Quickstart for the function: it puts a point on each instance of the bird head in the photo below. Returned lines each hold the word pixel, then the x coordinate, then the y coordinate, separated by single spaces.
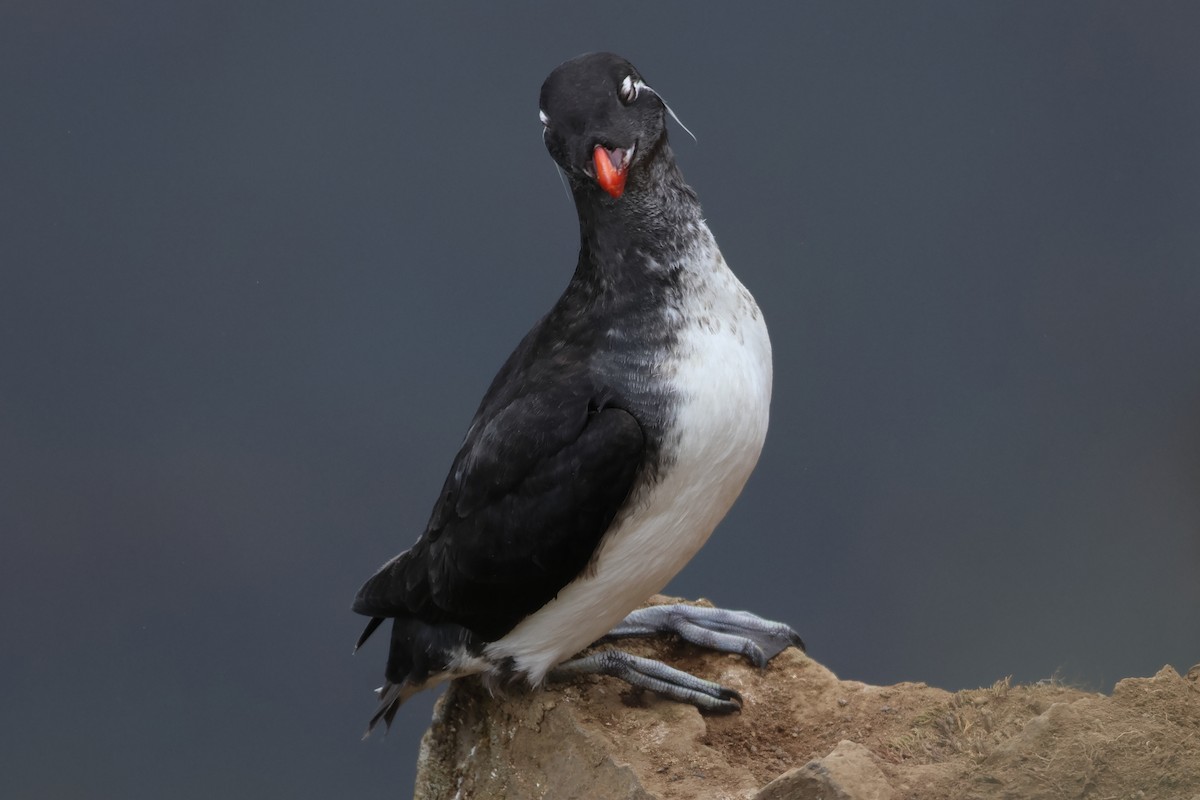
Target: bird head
pixel 600 120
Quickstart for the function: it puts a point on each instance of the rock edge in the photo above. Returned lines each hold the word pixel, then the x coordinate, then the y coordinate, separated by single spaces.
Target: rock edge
pixel 804 734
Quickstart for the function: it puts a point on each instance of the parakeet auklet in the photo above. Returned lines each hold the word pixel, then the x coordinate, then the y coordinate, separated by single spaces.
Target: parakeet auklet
pixel 611 443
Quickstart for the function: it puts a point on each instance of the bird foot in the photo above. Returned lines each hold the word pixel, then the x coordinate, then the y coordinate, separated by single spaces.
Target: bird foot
pixel 646 673
pixel 741 632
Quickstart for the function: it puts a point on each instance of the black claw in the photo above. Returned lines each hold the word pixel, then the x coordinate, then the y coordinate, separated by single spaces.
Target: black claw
pixel 756 656
pixel 730 701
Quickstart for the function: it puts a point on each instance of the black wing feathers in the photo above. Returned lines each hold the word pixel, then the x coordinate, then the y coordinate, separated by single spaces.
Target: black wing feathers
pixel 529 497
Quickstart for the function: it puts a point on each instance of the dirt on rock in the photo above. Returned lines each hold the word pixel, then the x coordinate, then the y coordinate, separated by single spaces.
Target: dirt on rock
pixel 804 733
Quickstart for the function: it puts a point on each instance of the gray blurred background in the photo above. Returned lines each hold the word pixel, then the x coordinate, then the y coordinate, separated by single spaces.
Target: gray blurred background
pixel 260 261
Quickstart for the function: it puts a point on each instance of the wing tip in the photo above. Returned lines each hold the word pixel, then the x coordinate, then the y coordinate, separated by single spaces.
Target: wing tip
pixel 372 626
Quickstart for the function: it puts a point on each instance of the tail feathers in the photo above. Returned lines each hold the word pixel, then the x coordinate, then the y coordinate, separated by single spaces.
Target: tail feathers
pixel 391 697
pixel 421 655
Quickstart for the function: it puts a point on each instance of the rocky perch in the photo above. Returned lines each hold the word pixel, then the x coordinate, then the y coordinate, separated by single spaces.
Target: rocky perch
pixel 803 734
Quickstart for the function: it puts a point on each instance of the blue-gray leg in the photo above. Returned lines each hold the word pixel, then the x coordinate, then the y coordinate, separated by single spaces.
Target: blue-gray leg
pixel 758 639
pixel 656 676
pixel 740 632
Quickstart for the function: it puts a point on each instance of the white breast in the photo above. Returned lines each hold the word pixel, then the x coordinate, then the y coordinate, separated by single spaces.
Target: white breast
pixel 722 368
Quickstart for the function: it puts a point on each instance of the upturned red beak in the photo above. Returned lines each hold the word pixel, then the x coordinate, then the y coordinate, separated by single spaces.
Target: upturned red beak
pixel 611 168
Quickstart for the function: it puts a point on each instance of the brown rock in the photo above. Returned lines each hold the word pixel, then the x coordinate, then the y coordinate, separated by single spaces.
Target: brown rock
pixel 848 773
pixel 802 733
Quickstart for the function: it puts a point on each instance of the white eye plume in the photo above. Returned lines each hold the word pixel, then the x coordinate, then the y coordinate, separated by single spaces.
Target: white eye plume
pixel 630 89
pixel 544 119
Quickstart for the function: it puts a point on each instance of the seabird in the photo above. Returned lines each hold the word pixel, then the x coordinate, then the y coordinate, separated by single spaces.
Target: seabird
pixel 610 444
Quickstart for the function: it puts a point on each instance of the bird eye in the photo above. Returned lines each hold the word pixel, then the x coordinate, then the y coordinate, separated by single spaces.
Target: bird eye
pixel 629 90
pixel 545 120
